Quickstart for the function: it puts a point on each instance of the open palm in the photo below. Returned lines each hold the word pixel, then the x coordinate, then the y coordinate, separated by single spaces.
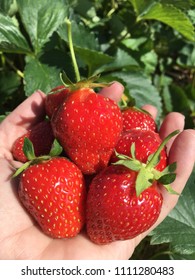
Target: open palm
pixel 21 238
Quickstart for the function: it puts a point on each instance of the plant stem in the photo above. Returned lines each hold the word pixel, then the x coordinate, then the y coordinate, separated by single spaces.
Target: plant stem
pixel 74 62
pixel 10 63
pixel 157 153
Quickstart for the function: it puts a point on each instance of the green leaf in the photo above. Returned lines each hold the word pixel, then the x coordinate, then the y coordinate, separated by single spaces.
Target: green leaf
pixel 56 149
pixel 133 151
pixel 156 159
pixel 178 228
pixel 141 6
pixel 174 256
pixel 6 5
pixel 170 168
pixel 187 56
pixel 65 79
pixel 139 86
pixel 40 76
pixel 167 178
pixel 93 59
pixel 150 60
pixel 28 149
pixel 179 97
pixel 131 164
pixel 41 19
pixel 82 36
pixel 134 43
pixel 122 60
pixel 86 47
pixel 9 82
pixel 11 39
pixel 21 169
pixel 181 4
pixel 171 16
pixel 170 189
pixel 143 181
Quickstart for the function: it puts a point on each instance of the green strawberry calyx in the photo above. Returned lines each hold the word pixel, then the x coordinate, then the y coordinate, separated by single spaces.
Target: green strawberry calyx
pixel 28 150
pixel 90 82
pixel 147 173
pixel 131 103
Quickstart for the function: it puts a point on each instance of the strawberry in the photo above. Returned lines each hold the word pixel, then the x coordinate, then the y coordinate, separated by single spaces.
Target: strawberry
pixel 125 199
pixel 146 143
pixel 41 135
pixel 134 118
pixel 88 126
pixel 114 211
pixel 52 189
pixel 54 99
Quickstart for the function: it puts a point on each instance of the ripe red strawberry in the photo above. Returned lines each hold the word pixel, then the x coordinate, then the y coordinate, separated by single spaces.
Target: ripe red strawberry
pixel 41 135
pixel 52 189
pixel 134 118
pixel 54 99
pixel 54 194
pixel 88 126
pixel 146 143
pixel 114 211
pixel 124 199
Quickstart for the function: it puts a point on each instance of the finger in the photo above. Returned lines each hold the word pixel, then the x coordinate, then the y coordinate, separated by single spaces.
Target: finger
pixel 183 153
pixel 151 110
pixel 114 91
pixel 173 121
pixel 28 113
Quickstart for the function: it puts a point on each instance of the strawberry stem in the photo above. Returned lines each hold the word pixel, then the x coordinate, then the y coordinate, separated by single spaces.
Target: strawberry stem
pixel 156 155
pixel 74 62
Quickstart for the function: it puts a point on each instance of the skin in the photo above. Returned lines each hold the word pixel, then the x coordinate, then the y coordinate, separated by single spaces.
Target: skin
pixel 21 238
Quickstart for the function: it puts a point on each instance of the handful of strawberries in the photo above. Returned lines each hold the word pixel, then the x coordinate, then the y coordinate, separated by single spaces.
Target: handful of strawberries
pixel 106 174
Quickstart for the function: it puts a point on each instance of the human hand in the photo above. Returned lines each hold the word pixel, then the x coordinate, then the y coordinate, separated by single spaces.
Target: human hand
pixel 21 238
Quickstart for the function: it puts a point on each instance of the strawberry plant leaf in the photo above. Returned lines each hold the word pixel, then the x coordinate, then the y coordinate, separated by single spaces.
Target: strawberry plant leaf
pixel 171 16
pixel 181 235
pixel 45 17
pixel 183 5
pixel 11 39
pixel 6 6
pixel 139 86
pixel 93 59
pixel 87 50
pixel 121 60
pixel 40 76
pixel 141 6
pixel 82 36
pixel 56 149
pixel 187 55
